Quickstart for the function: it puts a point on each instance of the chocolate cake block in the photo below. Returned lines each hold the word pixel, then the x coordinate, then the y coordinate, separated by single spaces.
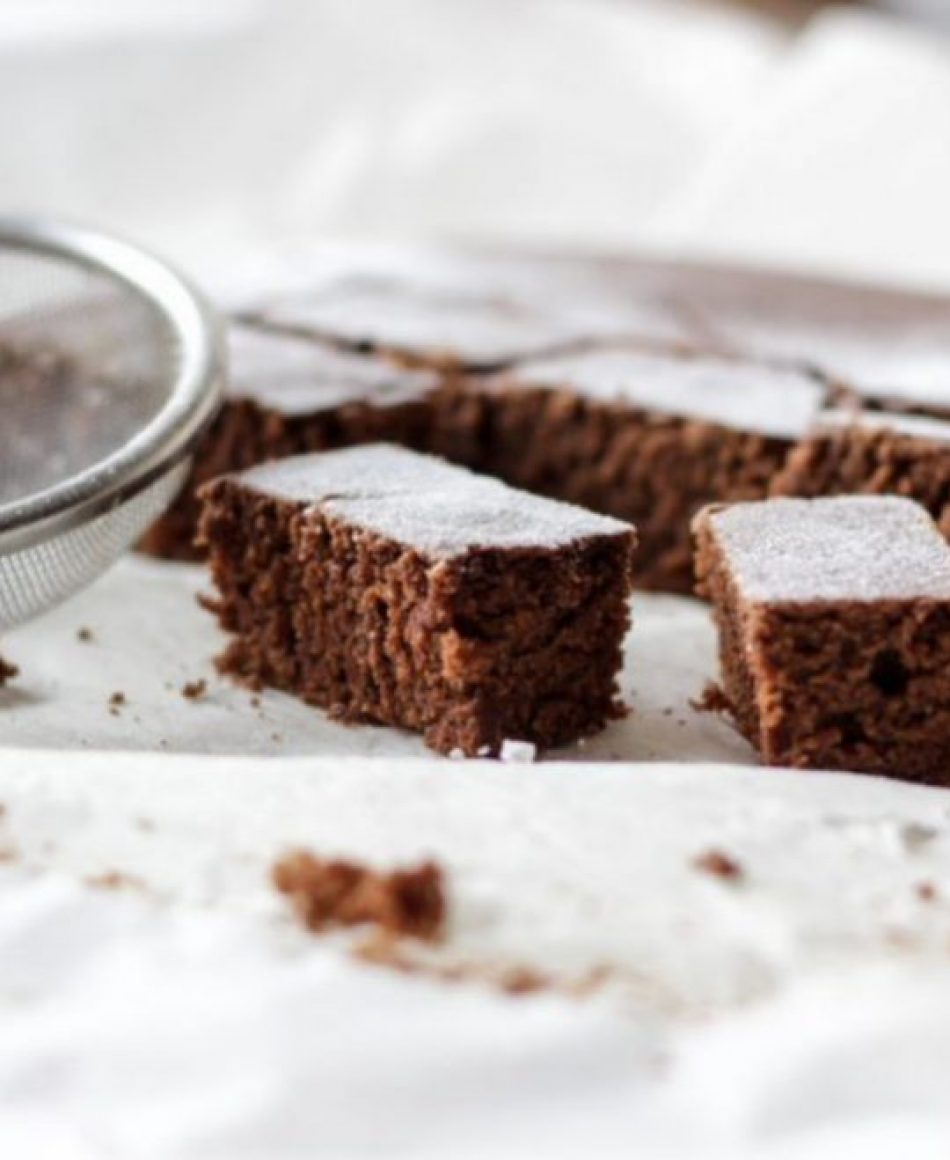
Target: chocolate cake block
pixel 873 453
pixel 390 587
pixel 451 329
pixel 646 437
pixel 834 631
pixel 286 396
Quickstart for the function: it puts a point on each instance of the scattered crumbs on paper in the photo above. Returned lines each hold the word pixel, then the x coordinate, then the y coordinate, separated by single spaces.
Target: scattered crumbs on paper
pixel 327 893
pixel 114 880
pixel 719 864
pixel 711 700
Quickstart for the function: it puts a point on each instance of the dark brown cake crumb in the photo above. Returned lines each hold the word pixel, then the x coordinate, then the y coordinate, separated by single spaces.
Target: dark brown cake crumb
pixel 926 892
pixel 194 690
pixel 7 672
pixel 116 701
pixel 84 635
pixel 719 864
pixel 711 700
pixel 334 893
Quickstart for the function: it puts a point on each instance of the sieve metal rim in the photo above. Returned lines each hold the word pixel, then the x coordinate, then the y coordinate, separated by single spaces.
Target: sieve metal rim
pixel 171 434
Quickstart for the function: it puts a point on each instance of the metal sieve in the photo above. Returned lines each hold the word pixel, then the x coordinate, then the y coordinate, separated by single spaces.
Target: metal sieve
pixel 110 369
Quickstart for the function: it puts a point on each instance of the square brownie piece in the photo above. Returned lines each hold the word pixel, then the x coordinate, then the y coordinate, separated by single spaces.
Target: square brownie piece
pixel 391 587
pixel 288 395
pixel 834 631
pixel 873 453
pixel 648 437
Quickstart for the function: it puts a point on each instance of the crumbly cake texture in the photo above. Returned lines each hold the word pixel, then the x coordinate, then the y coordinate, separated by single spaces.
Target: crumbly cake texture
pixel 326 893
pixel 287 396
pixel 391 587
pixel 834 631
pixel 873 453
pixel 646 437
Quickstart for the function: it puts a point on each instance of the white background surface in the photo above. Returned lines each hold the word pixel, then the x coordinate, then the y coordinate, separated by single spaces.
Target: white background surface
pixel 801 1013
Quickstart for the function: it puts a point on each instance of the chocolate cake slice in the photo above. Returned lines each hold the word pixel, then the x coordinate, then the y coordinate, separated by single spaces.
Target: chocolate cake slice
pixel 646 437
pixel 289 395
pixel 874 453
pixel 391 587
pixel 834 631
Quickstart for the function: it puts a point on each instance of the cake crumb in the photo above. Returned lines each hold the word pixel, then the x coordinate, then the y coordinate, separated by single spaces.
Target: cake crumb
pixel 114 880
pixel 84 635
pixel 382 949
pixel 337 893
pixel 194 690
pixel 926 892
pixel 7 672
pixel 116 701
pixel 523 981
pixel 711 700
pixel 719 864
pixel 522 751
pixel 9 854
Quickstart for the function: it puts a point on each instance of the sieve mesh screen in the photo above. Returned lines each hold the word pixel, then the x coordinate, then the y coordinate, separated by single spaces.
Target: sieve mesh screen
pixel 97 357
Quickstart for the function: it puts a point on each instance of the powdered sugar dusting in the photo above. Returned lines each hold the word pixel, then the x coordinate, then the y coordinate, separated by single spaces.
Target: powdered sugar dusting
pixel 298 376
pixel 474 330
pixel 915 426
pixel 863 548
pixel 426 503
pixel 875 356
pixel 744 396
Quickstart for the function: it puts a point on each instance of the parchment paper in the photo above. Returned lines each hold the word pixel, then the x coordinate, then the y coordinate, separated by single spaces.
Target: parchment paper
pixel 149 638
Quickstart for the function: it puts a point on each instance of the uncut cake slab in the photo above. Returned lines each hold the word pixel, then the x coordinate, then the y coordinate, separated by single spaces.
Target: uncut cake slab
pixel 645 879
